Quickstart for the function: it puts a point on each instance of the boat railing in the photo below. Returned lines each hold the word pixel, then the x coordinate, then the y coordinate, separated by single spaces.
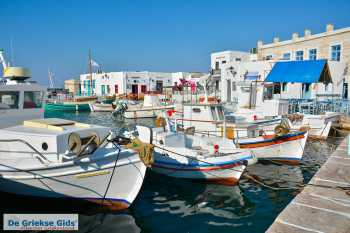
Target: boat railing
pixel 42 158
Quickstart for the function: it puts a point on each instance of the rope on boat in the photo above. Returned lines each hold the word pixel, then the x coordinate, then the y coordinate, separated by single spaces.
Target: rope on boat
pixel 145 150
pixel 111 177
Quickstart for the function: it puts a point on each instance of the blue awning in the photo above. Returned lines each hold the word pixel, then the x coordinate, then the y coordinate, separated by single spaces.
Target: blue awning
pixel 309 71
pixel 254 75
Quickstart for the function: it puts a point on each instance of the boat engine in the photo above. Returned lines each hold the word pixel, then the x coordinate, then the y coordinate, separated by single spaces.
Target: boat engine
pixel 120 109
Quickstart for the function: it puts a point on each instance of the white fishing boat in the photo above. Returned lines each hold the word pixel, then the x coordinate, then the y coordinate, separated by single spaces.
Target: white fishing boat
pixel 181 155
pixel 208 119
pixel 60 158
pixel 318 126
pixel 287 148
pixel 65 159
pixel 149 108
pixel 101 107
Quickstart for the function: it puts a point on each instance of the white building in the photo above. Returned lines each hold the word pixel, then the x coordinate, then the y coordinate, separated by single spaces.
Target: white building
pixel 131 82
pixel 236 77
pixel 220 59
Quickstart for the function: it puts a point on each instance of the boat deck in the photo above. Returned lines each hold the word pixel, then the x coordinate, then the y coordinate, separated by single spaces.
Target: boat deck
pixel 317 208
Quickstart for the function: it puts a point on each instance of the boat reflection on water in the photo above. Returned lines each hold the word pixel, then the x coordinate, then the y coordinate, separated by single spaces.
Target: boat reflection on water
pixel 279 176
pixel 92 217
pixel 107 223
pixel 189 203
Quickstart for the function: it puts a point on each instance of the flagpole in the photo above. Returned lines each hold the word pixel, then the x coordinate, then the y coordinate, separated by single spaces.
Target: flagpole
pixel 90 70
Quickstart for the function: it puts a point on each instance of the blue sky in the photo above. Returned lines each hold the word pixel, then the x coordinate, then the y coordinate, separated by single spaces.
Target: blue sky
pixel 163 35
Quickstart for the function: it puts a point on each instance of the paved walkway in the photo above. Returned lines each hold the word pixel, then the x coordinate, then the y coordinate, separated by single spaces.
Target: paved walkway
pixel 319 209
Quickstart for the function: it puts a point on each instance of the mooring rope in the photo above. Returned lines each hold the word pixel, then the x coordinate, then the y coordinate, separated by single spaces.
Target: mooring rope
pixel 111 177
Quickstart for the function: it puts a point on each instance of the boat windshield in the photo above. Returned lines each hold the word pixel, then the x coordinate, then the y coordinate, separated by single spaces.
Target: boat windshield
pixel 9 99
pixel 33 99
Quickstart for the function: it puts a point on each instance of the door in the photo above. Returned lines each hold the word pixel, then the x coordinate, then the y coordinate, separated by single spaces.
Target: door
pixel 116 89
pixel 159 86
pixel 135 89
pixel 345 91
pixel 306 91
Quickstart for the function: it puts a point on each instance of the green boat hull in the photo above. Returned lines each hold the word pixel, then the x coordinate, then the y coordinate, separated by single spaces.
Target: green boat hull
pixel 67 107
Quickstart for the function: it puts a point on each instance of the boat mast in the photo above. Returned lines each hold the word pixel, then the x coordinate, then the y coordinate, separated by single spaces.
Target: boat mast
pixel 2 59
pixel 90 71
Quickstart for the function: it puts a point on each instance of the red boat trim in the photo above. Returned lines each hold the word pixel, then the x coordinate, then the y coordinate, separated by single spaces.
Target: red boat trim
pixel 269 143
pixel 184 168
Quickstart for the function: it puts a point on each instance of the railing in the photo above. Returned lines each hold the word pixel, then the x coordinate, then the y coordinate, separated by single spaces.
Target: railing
pixel 308 106
pixel 43 157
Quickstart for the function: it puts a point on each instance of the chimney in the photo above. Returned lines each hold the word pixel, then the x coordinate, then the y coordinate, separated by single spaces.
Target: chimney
pixel 329 27
pixel 307 33
pixel 260 44
pixel 276 39
pixel 295 36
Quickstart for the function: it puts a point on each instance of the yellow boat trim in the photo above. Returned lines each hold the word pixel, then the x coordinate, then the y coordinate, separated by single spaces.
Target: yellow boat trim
pixel 96 173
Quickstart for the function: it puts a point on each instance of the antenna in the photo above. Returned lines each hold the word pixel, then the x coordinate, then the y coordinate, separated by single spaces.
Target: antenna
pixel 50 78
pixel 11 52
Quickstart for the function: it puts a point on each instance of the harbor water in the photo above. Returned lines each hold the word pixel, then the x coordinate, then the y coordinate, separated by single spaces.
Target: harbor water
pixel 166 204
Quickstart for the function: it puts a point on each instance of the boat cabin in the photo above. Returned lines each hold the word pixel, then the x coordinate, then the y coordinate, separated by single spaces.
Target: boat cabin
pixel 209 118
pixel 20 100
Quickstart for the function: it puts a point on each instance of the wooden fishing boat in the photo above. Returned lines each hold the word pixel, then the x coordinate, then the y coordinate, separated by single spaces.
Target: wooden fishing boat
pixel 209 159
pixel 67 107
pixel 288 148
pixel 101 107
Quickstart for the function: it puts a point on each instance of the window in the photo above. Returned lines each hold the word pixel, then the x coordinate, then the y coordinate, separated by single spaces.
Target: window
pixel 116 89
pixel 143 88
pixel 94 83
pixel 223 62
pixel 268 57
pixel 306 87
pixel 238 59
pixel 299 55
pixel 217 65
pixel 108 89
pixel 326 87
pixel 312 54
pixel 286 56
pixel 32 99
pixel 9 99
pixel 335 52
pixel 277 88
pixel 196 110
pixel 103 90
pixel 284 86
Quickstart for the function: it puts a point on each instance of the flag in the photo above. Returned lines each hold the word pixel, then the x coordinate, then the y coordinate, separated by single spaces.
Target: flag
pixel 94 63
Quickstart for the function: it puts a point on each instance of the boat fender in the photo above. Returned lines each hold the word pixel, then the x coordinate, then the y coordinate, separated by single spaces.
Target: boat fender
pixel 216 148
pixel 245 162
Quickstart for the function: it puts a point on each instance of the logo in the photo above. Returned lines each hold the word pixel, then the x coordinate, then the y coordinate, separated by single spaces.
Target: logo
pixel 38 222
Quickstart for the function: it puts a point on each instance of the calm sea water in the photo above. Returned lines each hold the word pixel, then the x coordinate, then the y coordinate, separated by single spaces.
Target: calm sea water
pixel 167 204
